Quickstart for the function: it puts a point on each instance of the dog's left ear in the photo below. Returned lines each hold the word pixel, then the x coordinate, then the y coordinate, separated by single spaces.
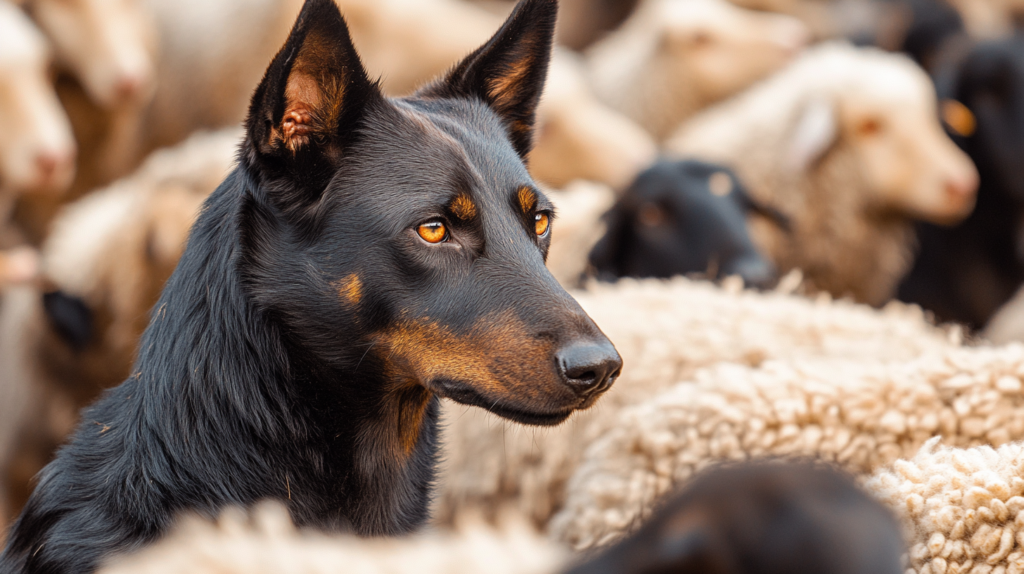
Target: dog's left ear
pixel 311 101
pixel 508 72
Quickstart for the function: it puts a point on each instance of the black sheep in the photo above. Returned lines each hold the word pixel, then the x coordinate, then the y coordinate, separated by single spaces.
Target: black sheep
pixel 682 217
pixel 965 273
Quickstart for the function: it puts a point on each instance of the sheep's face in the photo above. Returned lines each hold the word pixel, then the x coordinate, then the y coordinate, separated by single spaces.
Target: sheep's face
pixel 724 48
pixel 37 150
pixel 108 45
pixel 909 164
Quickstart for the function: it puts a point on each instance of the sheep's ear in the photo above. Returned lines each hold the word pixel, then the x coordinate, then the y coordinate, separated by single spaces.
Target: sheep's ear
pixel 508 72
pixel 815 131
pixel 311 100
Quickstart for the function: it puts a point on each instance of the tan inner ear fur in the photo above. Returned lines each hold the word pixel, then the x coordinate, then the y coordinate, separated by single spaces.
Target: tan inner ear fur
pixel 314 94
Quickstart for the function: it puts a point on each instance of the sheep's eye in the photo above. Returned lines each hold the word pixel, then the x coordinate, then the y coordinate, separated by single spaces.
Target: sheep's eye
pixel 541 224
pixel 959 118
pixel 433 232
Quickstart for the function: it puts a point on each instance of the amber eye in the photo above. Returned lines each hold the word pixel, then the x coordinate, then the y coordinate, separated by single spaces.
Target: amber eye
pixel 543 222
pixel 433 232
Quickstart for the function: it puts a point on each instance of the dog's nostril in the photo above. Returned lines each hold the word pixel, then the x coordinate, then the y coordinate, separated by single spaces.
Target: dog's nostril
pixel 589 367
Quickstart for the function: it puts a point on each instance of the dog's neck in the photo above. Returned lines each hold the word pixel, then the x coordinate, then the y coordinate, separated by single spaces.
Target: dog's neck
pixel 372 442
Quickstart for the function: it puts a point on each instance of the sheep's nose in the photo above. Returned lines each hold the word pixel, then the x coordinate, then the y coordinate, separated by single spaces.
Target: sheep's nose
pixel 962 187
pixel 49 162
pixel 589 367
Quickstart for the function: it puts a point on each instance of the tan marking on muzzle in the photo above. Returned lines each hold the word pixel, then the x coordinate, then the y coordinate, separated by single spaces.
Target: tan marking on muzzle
pixel 493 356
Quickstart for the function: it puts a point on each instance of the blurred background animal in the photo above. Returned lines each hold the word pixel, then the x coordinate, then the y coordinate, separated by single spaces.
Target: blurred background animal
pixel 681 218
pixel 965 273
pixel 847 144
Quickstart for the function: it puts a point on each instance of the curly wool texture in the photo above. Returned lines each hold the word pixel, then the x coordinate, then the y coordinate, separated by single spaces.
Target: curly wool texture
pixel 269 543
pixel 665 331
pixel 860 415
pixel 963 509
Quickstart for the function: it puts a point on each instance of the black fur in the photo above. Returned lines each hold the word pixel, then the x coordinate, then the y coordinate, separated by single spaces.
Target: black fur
pixel 299 350
pixel 965 273
pixel 762 518
pixel 70 317
pixel 669 222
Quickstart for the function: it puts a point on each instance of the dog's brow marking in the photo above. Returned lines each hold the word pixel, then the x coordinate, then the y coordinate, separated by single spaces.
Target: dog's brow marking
pixel 351 290
pixel 527 199
pixel 463 207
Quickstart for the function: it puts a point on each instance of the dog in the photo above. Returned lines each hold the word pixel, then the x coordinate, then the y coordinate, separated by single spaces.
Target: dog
pixel 367 257
pixel 765 517
pixel 683 217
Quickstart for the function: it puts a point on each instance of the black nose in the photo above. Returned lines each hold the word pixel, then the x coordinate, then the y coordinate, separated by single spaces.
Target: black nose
pixel 589 367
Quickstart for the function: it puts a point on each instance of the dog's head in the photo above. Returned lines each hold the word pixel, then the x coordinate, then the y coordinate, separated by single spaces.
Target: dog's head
pixel 403 240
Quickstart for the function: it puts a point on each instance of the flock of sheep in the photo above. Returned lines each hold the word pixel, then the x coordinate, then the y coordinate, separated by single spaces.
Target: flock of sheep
pixel 854 176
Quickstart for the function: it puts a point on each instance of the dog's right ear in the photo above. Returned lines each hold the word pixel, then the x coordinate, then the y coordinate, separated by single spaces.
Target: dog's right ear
pixel 311 101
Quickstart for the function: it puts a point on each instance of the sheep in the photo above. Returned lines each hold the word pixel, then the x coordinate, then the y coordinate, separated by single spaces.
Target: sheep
pixel 678 218
pixel 862 416
pixel 36 149
pixel 268 542
pixel 664 331
pixel 580 137
pixel 730 518
pixel 760 518
pixel 107 46
pixel 961 508
pixel 106 261
pixel 675 57
pixel 846 143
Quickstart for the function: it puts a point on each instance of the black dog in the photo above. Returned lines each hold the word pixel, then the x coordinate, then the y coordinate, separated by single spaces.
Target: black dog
pixel 682 217
pixel 967 272
pixel 762 518
pixel 366 257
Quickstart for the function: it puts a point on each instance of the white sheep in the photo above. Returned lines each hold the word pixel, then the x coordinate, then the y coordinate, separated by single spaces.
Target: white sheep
pixel 963 509
pixel 672 58
pixel 268 542
pixel 37 149
pixel 664 331
pixel 861 415
pixel 846 142
pixel 112 250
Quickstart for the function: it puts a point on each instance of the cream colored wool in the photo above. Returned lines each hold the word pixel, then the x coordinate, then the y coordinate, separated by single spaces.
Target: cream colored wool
pixel 270 544
pixel 963 509
pixel 847 144
pixel 665 331
pixel 861 415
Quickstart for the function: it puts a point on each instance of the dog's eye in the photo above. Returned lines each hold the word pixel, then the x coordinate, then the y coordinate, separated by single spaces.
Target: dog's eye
pixel 433 232
pixel 543 223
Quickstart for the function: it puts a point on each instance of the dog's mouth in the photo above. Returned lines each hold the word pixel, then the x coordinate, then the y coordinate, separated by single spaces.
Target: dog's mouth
pixel 465 394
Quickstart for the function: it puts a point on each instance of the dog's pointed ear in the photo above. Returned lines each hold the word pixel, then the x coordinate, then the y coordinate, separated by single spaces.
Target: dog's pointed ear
pixel 312 97
pixel 508 72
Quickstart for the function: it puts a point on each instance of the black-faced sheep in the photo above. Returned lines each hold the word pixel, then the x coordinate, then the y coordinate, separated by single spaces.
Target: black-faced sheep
pixel 761 518
pixel 846 143
pixel 665 332
pixel 682 218
pixel 672 58
pixel 967 272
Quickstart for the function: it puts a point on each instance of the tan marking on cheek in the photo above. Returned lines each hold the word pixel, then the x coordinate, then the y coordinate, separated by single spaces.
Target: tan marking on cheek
pixel 463 207
pixel 351 290
pixel 527 199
